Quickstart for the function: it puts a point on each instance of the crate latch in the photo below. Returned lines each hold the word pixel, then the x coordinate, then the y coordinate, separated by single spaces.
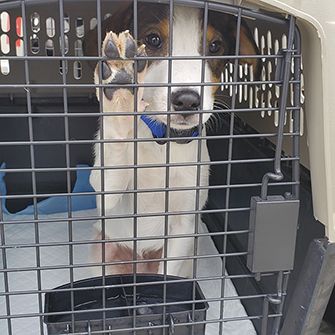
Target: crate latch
pixel 273 228
pixel 273 219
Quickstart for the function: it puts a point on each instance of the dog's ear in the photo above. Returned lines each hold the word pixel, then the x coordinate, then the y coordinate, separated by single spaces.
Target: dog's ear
pixel 248 47
pixel 227 25
pixel 120 20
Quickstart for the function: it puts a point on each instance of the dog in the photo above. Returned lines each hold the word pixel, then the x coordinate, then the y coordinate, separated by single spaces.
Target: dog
pixel 161 214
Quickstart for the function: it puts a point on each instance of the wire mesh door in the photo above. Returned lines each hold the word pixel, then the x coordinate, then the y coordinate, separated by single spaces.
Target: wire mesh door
pixel 126 154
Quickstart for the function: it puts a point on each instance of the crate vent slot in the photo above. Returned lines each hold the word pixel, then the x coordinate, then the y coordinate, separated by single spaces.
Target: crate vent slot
pixel 19 27
pixel 93 23
pixel 256 36
pixel 77 70
pixel 5 22
pixel 4 67
pixel 50 27
pixel 5 44
pixel 269 37
pixel 61 67
pixel 19 47
pixel 302 95
pixel 251 97
pixel 66 23
pixel 35 22
pixel 78 48
pixel 80 27
pixel 262 46
pixel 284 41
pixel 49 48
pixel 34 44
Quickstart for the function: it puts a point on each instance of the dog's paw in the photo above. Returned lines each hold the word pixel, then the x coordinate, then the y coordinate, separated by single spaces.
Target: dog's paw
pixel 118 70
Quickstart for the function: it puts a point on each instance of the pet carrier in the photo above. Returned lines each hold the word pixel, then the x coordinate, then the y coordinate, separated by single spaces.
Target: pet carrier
pixel 260 262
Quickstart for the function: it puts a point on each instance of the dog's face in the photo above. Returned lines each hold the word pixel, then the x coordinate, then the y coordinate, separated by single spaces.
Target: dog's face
pixel 186 40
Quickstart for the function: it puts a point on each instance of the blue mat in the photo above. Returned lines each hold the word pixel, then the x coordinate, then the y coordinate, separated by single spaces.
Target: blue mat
pixel 58 204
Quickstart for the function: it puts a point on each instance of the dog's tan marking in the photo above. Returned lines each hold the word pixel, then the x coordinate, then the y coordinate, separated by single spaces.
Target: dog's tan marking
pixel 215 64
pixel 162 29
pixel 116 252
pixel 247 47
pixel 212 34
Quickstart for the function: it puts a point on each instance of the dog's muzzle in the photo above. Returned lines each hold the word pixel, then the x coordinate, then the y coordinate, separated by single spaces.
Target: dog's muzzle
pixel 185 100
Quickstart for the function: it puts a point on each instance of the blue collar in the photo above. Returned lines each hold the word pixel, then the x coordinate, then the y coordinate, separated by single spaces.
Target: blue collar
pixel 158 130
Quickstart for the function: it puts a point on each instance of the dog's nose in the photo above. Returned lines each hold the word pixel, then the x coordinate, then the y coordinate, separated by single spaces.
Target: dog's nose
pixel 185 100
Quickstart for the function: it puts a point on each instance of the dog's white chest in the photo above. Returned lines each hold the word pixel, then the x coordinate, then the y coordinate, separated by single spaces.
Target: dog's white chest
pixel 158 177
pixel 178 178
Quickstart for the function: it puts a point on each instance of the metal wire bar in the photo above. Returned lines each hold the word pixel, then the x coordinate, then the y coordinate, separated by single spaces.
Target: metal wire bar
pixel 151 327
pixel 199 156
pixel 149 58
pixel 90 242
pixel 230 153
pixel 249 297
pixel 219 7
pixel 32 161
pixel 296 114
pixel 165 85
pixel 167 156
pixel 204 211
pixel 144 166
pixel 78 115
pixel 145 139
pixel 156 190
pixel 102 159
pixel 135 173
pixel 282 294
pixel 67 152
pixel 4 267
pixel 139 284
pixel 83 242
pixel 90 265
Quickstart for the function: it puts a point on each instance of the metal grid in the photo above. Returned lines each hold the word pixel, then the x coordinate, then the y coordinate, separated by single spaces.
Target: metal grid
pixel 41 41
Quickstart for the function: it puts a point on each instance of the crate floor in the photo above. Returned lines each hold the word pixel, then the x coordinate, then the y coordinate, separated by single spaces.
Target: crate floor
pixel 53 258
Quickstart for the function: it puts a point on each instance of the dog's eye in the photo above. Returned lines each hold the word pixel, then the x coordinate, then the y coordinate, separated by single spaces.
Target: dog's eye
pixel 154 41
pixel 215 47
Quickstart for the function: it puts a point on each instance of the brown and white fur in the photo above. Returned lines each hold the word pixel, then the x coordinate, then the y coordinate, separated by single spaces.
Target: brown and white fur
pixel 187 41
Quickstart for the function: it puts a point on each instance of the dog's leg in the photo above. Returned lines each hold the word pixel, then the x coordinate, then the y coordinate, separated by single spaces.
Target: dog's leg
pixel 179 247
pixel 117 70
pixel 117 123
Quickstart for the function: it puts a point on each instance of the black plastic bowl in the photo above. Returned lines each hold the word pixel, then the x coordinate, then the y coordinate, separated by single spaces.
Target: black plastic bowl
pixel 117 312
